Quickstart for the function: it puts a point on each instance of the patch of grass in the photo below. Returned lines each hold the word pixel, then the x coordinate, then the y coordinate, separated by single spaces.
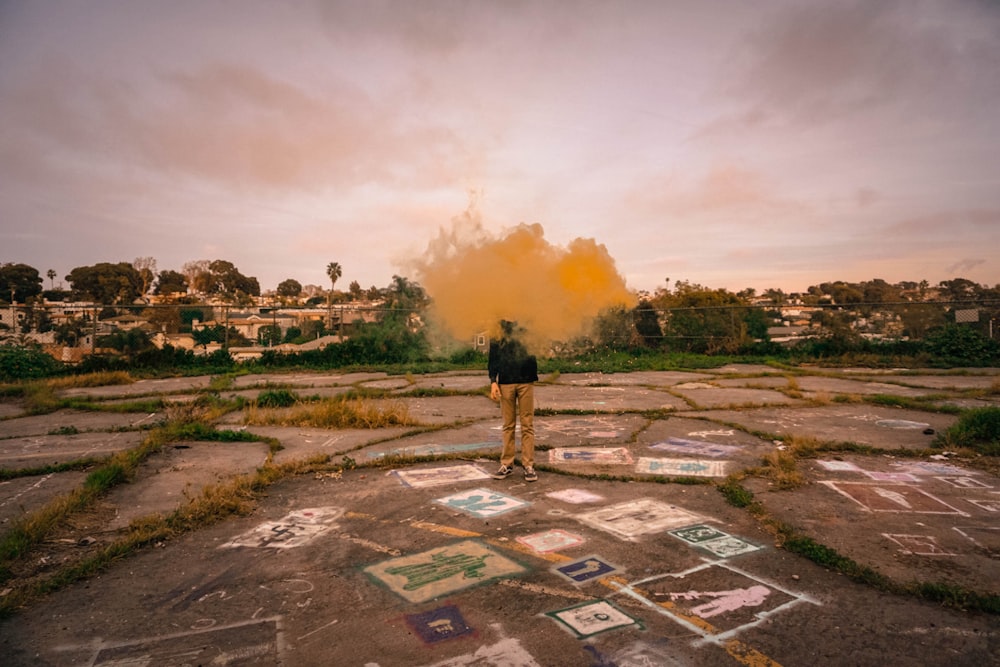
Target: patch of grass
pixel 781 467
pixel 277 398
pixel 977 429
pixel 922 403
pixel 736 494
pixel 956 596
pixel 826 557
pixel 80 464
pixel 64 430
pixel 337 412
pixel 221 383
pixel 99 379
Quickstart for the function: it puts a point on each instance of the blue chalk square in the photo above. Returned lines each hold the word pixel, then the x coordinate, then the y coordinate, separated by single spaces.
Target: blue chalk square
pixel 586 569
pixel 439 624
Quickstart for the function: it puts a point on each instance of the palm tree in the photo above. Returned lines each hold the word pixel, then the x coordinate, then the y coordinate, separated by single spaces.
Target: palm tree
pixel 334 271
pixel 52 276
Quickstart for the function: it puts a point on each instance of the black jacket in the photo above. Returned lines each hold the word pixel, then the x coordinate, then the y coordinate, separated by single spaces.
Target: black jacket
pixel 510 363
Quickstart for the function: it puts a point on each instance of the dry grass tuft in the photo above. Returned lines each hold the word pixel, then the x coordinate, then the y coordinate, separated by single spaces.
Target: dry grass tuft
pixel 101 379
pixel 336 412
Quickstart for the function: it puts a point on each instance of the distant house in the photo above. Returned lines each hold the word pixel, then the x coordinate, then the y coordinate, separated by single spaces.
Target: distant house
pixel 181 341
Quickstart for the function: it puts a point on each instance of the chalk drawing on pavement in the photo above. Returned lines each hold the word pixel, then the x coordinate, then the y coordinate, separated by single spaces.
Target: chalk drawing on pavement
pixel 732 598
pixel 422 477
pixel 431 449
pixel 987 504
pixel 710 434
pixel 247 642
pixel 482 503
pixel 293 530
pixel 634 518
pixel 713 540
pixel 695 447
pixel 681 467
pixel 901 424
pixel 585 569
pixel 575 496
pixel 930 468
pixel 964 482
pixel 920 545
pixel 504 653
pixel 843 466
pixel 986 538
pixel 602 455
pixel 891 476
pixel 892 498
pixel 591 618
pixel 438 624
pixel 430 574
pixel 551 540
pixel 578 427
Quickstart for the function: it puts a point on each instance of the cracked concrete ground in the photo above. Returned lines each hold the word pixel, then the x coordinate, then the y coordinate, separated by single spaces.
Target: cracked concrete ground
pixel 616 556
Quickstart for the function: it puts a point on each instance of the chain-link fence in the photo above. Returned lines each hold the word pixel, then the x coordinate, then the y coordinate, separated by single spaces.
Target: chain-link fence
pixel 81 328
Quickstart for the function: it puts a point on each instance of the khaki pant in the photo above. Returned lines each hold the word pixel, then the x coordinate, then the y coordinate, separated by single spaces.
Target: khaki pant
pixel 517 401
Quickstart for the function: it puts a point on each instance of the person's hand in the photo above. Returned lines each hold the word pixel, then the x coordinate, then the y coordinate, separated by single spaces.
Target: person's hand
pixel 495 391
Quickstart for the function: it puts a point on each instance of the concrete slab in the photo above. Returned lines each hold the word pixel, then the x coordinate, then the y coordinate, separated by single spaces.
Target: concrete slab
pixel 69 420
pixel 912 520
pixel 24 495
pixel 180 472
pixel 303 443
pixel 11 409
pixel 482 438
pixel 745 369
pixel 638 378
pixel 300 380
pixel 951 382
pixel 858 387
pixel 447 409
pixel 49 450
pixel 760 382
pixel 451 382
pixel 141 388
pixel 604 399
pixel 438 564
pixel 885 428
pixel 324 561
pixel 702 395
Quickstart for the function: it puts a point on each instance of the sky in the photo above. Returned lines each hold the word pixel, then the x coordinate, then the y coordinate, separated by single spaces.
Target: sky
pixel 733 144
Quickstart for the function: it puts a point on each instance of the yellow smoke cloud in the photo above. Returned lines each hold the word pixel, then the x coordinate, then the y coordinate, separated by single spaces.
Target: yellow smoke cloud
pixel 476 279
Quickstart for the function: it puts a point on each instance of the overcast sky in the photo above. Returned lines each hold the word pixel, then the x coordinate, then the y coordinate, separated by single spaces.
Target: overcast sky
pixel 730 143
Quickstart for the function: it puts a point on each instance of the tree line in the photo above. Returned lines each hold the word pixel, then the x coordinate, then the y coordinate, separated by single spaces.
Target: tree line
pixel 123 283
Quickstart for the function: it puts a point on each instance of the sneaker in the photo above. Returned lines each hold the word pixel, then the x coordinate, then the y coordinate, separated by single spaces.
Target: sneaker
pixel 503 473
pixel 530 475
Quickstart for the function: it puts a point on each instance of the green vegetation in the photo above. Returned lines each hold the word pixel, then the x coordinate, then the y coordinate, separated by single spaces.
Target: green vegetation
pixel 977 429
pixel 277 398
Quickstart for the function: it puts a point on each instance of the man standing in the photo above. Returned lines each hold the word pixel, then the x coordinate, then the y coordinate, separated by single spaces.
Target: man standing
pixel 513 373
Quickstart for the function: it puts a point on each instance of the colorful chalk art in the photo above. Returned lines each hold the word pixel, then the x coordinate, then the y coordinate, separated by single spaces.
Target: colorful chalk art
pixel 293 530
pixel 431 574
pixel 600 455
pixel 681 467
pixel 591 618
pixel 635 518
pixel 482 503
pixel 423 477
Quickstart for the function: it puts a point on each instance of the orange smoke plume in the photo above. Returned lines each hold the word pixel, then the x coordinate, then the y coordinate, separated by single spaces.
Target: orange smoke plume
pixel 553 293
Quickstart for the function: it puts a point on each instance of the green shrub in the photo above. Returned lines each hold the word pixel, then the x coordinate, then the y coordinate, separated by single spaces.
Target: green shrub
pixel 277 398
pixel 978 429
pixel 26 363
pixel 962 345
